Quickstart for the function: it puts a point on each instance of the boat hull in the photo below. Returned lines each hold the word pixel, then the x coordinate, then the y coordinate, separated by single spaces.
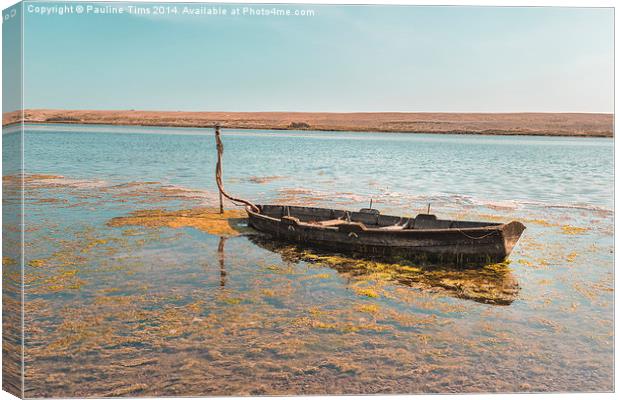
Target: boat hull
pixel 471 247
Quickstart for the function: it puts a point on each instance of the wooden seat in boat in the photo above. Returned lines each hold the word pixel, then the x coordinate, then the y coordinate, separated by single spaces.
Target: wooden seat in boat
pixel 331 222
pixel 395 227
pixel 400 225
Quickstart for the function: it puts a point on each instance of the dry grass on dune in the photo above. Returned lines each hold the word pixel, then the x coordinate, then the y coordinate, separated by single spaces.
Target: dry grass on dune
pixel 547 124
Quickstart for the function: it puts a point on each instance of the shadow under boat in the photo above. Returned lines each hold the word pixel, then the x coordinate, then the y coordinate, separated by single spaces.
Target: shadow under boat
pixel 491 284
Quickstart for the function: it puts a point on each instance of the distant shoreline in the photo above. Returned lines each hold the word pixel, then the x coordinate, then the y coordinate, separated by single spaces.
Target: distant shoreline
pixel 507 124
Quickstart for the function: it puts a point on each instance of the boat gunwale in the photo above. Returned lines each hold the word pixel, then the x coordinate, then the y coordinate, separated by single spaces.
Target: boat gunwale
pixel 496 227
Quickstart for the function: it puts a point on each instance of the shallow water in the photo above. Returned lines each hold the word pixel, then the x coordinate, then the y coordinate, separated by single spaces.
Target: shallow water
pixel 176 310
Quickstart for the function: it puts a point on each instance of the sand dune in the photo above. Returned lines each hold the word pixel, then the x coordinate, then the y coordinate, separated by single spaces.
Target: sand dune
pixel 547 124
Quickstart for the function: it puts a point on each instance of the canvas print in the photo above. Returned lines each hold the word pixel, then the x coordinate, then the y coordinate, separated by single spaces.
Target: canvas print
pixel 204 199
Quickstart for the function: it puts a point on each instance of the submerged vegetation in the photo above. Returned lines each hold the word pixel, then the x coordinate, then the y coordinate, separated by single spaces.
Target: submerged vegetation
pixel 492 284
pixel 209 220
pixel 150 287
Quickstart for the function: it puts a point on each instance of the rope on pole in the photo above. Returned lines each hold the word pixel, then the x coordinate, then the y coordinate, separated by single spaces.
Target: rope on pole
pixel 218 175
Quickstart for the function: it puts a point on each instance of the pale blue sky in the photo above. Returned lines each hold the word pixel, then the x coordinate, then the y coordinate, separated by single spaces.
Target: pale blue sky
pixel 346 58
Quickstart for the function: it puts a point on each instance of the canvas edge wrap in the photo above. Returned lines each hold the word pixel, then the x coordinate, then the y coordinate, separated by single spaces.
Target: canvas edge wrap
pixel 13 204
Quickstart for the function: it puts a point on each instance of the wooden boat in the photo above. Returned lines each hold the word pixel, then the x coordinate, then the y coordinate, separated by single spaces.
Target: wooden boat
pixel 423 239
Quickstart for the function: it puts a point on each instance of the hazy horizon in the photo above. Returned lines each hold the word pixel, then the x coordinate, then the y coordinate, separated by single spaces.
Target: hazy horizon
pixel 311 112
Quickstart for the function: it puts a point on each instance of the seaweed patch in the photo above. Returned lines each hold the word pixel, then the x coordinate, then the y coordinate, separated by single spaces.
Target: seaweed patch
pixel 493 284
pixel 230 223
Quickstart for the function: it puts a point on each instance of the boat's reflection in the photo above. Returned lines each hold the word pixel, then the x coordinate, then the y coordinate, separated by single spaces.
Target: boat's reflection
pixel 493 284
pixel 221 255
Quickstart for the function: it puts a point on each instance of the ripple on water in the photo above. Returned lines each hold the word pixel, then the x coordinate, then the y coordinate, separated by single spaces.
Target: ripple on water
pixel 143 282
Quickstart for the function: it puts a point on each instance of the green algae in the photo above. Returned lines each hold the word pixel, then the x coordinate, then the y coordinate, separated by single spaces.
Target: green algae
pixel 232 300
pixel 8 261
pixel 153 318
pixel 573 230
pixel 36 263
pixel 208 220
pixel 367 292
pixel 368 308
pixel 493 284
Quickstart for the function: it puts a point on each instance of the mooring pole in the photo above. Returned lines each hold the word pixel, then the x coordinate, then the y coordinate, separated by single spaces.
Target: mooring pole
pixel 218 176
pixel 218 166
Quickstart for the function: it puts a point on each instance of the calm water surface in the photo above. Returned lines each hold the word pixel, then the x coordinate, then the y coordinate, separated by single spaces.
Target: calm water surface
pixel 163 311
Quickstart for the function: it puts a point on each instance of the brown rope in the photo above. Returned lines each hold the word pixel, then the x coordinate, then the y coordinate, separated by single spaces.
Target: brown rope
pixel 218 172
